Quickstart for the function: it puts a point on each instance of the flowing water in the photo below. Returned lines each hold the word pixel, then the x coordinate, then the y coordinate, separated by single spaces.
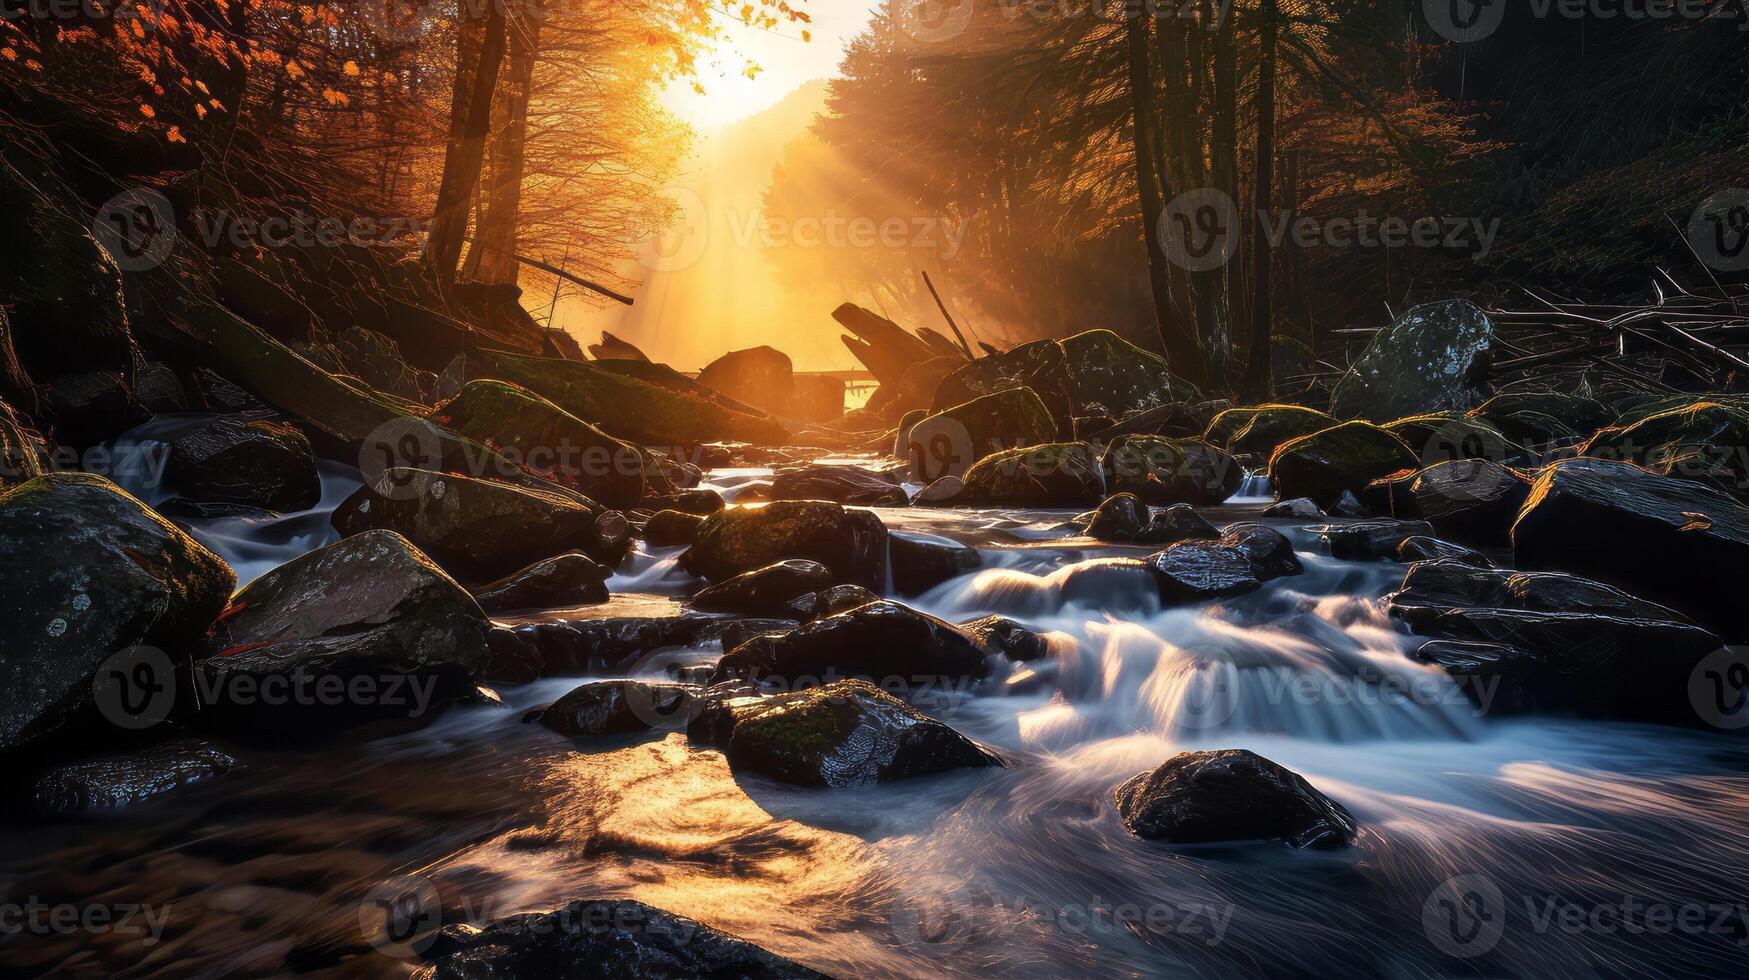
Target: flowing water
pixel 1487 848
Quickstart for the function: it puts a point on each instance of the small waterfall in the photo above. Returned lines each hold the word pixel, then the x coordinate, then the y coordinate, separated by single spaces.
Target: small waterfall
pixel 255 546
pixel 652 571
pixel 1254 489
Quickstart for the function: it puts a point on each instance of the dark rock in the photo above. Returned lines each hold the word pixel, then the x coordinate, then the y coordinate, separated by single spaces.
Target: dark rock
pixel 370 610
pixel 1041 366
pixel 158 389
pixel 1472 501
pixel 846 734
pixel 620 707
pixel 1300 507
pixel 1447 436
pixel 1270 552
pixel 622 939
pixel 229 459
pixel 951 441
pixel 110 782
pixel 697 503
pixel 920 564
pixel 478 530
pixel 1007 638
pixel 1348 457
pixel 1260 431
pixel 1108 375
pixel 1543 418
pixel 1058 475
pixel 560 582
pixel 766 591
pixel 1121 518
pixel 943 492
pixel 1705 441
pixel 1434 588
pixel 844 484
pixel 541 438
pixel 1422 548
pixel 1240 561
pixel 1377 540
pixel 1500 679
pixel 763 377
pixel 93 573
pixel 90 407
pixel 1231 795
pixel 882 640
pixel 1434 358
pixel 852 543
pixel 1179 522
pixel 733 633
pixel 1662 538
pixel 574 647
pixel 839 599
pixel 1163 471
pixel 669 528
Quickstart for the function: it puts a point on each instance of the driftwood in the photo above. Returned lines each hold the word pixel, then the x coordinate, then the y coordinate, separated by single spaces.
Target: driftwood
pixel 613 348
pixel 887 349
pixel 948 317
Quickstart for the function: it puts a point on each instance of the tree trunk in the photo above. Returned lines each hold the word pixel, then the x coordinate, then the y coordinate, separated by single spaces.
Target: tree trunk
pixel 1179 338
pixel 472 105
pixel 493 257
pixel 1257 370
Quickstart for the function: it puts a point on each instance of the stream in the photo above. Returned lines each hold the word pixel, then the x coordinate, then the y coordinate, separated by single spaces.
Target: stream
pixel 1529 847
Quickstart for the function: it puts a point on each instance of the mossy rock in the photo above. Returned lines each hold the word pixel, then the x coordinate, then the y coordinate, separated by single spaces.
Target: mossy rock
pixel 852 543
pixel 1064 474
pixel 1042 366
pixel 1110 376
pixel 1706 441
pixel 1538 418
pixel 951 441
pixel 1164 471
pixel 1259 429
pixel 1348 457
pixel 1445 436
pixel 1435 357
pixel 548 441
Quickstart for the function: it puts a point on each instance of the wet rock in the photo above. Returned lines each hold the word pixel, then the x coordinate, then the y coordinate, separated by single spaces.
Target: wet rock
pixel 1446 436
pixel 1240 561
pixel 920 564
pixel 1002 637
pixel 698 503
pixel 883 640
pixel 844 484
pixel 1435 357
pixel 1231 795
pixel 1058 475
pixel 1434 588
pixel 620 707
pixel 1420 548
pixel 93 573
pixel 853 544
pixel 369 612
pixel 766 591
pixel 1349 505
pixel 1121 518
pixel 110 782
pixel 1270 552
pixel 621 939
pixel 1662 538
pixel 762 377
pixel 159 390
pixel 1375 540
pixel 669 528
pixel 560 582
pixel 942 493
pixel 230 459
pixel 1041 366
pixel 477 530
pixel 1260 430
pixel 1472 501
pixel 538 436
pixel 1348 457
pixel 1163 471
pixel 1499 678
pixel 90 407
pixel 1541 418
pixel 1300 507
pixel 838 599
pixel 734 632
pixel 1108 375
pixel 846 734
pixel 1704 441
pixel 1179 522
pixel 574 647
pixel 951 441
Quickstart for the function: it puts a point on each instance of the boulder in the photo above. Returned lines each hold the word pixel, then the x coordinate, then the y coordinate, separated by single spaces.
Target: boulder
pixel 1705 441
pixel 844 484
pixel 920 564
pixel 1540 419
pixel 1231 795
pixel 575 647
pixel 835 600
pixel 1179 522
pixel 852 543
pixel 559 582
pixel 1164 471
pixel 90 407
pixel 1110 376
pixel 766 591
pixel 93 573
pixel 1422 548
pixel 110 782
pixel 669 528
pixel 942 493
pixel 1373 540
pixel 1662 538
pixel 480 531
pixel 883 640
pixel 620 707
pixel 1471 501
pixel 699 503
pixel 846 734
pixel 538 437
pixel 619 938
pixel 365 631
pixel 762 377
pixel 1446 436
pixel 952 440
pixel 229 459
pixel 1302 508
pixel 1240 561
pixel 1041 367
pixel 1058 475
pixel 1349 457
pixel 1434 358
pixel 1002 637
pixel 1260 430
pixel 1121 518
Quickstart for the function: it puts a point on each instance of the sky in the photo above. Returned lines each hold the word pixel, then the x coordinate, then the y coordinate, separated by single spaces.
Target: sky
pixel 787 63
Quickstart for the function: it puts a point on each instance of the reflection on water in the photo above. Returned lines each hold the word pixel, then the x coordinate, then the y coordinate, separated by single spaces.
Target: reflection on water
pixel 1019 872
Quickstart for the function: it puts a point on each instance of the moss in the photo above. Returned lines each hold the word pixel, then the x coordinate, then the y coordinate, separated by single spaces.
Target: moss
pixel 1348 457
pixel 549 441
pixel 1272 425
pixel 1054 475
pixel 949 442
